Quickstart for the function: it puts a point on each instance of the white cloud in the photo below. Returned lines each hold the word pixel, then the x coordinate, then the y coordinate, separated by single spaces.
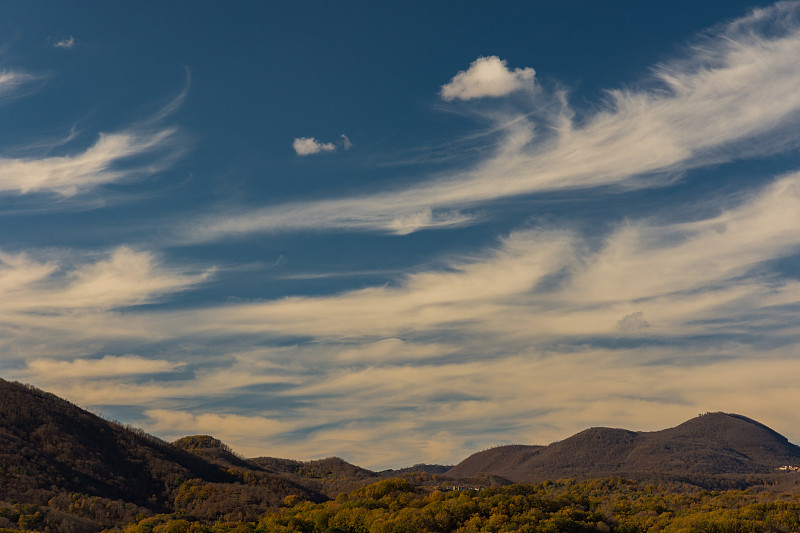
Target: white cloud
pixel 67 43
pixel 70 175
pixel 487 76
pixel 309 146
pixel 32 290
pixel 733 95
pixel 346 142
pixel 677 275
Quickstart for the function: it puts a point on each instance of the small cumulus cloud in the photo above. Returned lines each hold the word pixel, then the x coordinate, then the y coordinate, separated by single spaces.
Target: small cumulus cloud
pixel 309 145
pixel 66 43
pixel 487 76
pixel 346 142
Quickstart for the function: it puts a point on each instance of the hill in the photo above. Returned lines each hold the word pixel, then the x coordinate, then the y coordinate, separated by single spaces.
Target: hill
pixel 714 444
pixel 48 445
pixel 56 455
pixel 78 472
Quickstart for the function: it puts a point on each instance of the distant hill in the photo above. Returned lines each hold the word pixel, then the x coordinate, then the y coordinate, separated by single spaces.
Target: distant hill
pixel 416 469
pixel 714 444
pixel 329 476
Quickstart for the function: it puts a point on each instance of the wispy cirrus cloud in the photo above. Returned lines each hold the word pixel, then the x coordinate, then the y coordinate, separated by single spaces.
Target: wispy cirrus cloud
pixel 59 304
pixel 142 149
pixel 642 267
pixel 12 80
pixel 536 285
pixel 123 277
pixel 732 95
pixel 510 343
pixel 101 163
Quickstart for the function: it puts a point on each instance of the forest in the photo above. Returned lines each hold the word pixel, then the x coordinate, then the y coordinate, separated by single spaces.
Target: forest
pixel 415 503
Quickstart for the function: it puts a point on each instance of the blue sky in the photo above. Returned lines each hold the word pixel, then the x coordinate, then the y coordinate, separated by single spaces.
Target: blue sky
pixel 402 234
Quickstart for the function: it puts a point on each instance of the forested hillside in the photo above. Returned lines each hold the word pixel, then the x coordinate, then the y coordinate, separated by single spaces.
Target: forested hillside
pixel 605 506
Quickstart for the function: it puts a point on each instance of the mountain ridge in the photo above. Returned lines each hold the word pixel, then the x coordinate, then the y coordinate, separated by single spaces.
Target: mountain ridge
pixel 710 444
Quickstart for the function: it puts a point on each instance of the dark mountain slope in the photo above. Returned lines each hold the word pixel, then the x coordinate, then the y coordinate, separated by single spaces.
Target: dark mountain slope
pixel 77 472
pixel 48 445
pixel 709 445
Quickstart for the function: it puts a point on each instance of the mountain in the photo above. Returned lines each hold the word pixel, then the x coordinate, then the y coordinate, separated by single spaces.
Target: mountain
pixel 48 445
pixel 713 444
pixel 87 473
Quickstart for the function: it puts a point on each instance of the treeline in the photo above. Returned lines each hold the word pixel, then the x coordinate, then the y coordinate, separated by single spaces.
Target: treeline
pixel 399 505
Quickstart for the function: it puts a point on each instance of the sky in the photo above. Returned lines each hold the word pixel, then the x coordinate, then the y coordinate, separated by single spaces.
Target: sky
pixel 402 233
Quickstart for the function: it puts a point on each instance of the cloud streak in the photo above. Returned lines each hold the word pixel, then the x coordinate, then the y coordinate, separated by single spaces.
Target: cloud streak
pixel 732 95
pixel 641 265
pixel 99 164
pixel 125 277
pixel 108 366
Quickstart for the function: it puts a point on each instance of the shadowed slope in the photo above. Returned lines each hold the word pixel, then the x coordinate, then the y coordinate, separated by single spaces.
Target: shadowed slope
pixel 48 445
